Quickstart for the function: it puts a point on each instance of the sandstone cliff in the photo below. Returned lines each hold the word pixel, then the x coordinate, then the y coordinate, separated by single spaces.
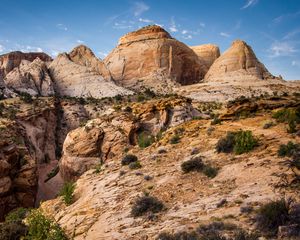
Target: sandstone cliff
pixel 150 58
pixel 208 53
pixel 239 61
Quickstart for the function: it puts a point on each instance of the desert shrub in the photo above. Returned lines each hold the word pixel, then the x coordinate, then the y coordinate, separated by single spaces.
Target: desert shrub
pixel 175 139
pixel 145 139
pixel 239 142
pixel 268 125
pixel 146 204
pixel 140 98
pixel 12 231
pixel 242 235
pixel 244 142
pixel 287 115
pixel 194 164
pixel 210 171
pixel 67 192
pixel 128 109
pixel 272 215
pixel 135 165
pixel 287 150
pixel 226 143
pixel 42 228
pixel 118 97
pixel 52 173
pixel 16 215
pixel 129 158
pixel 216 121
pixel 292 127
pixel 25 97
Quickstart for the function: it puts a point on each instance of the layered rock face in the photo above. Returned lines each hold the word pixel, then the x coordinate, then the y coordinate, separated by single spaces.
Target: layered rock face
pixel 238 61
pixel 80 74
pixel 207 53
pixel 150 58
pixel 13 59
pixel 30 77
pixel 99 140
pixel 18 176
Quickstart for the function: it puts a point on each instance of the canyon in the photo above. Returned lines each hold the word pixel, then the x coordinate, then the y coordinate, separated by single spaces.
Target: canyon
pixel 75 117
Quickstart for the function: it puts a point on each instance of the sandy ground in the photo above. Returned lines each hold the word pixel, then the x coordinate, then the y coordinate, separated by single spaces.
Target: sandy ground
pixel 50 189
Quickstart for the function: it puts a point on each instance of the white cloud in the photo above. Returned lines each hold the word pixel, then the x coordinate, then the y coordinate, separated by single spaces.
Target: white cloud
pixel 145 20
pixel 184 31
pixel 224 34
pixel 102 54
pixel 1 48
pixel 122 25
pixel 79 41
pixel 249 3
pixel 61 27
pixel 139 8
pixel 279 49
pixel 202 24
pixel 54 53
pixel 283 17
pixel 295 63
pixel 173 27
pixel 187 36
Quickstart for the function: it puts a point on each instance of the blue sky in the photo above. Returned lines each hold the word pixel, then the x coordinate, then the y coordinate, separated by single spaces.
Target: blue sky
pixel 271 27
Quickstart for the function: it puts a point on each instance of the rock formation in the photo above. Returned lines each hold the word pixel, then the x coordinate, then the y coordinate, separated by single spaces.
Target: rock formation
pixel 99 140
pixel 239 61
pixel 13 59
pixel 80 74
pixel 151 58
pixel 30 77
pixel 208 53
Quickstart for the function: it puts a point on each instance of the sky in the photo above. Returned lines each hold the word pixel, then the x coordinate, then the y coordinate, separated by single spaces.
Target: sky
pixel 270 27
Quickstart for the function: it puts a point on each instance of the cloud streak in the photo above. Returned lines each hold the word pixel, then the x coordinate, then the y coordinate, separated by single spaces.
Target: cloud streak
pixel 224 34
pixel 282 49
pixel 249 3
pixel 139 8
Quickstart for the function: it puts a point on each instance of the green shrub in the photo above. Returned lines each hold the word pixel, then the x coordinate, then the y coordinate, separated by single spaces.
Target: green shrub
pixel 287 150
pixel 146 204
pixel 67 192
pixel 239 142
pixel 287 115
pixel 12 231
pixel 226 144
pixel 244 142
pixel 216 121
pixel 272 215
pixel 268 125
pixel 42 228
pixel 292 128
pixel 16 215
pixel 242 235
pixel 25 97
pixel 129 158
pixel 210 171
pixel 175 139
pixel 178 236
pixel 145 139
pixel 135 165
pixel 52 173
pixel 194 164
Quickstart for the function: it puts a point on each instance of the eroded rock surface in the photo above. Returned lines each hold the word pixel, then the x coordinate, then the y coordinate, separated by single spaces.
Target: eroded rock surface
pixel 207 53
pixel 151 58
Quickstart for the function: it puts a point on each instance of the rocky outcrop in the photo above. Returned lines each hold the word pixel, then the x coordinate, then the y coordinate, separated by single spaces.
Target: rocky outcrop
pixel 18 176
pixel 207 53
pixel 150 58
pixel 99 140
pixel 84 56
pixel 30 77
pixel 13 59
pixel 239 61
pixel 77 75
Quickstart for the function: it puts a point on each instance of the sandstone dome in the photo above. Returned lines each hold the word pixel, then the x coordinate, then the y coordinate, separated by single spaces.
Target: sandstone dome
pixel 151 58
pixel 81 74
pixel 238 61
pixel 207 53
